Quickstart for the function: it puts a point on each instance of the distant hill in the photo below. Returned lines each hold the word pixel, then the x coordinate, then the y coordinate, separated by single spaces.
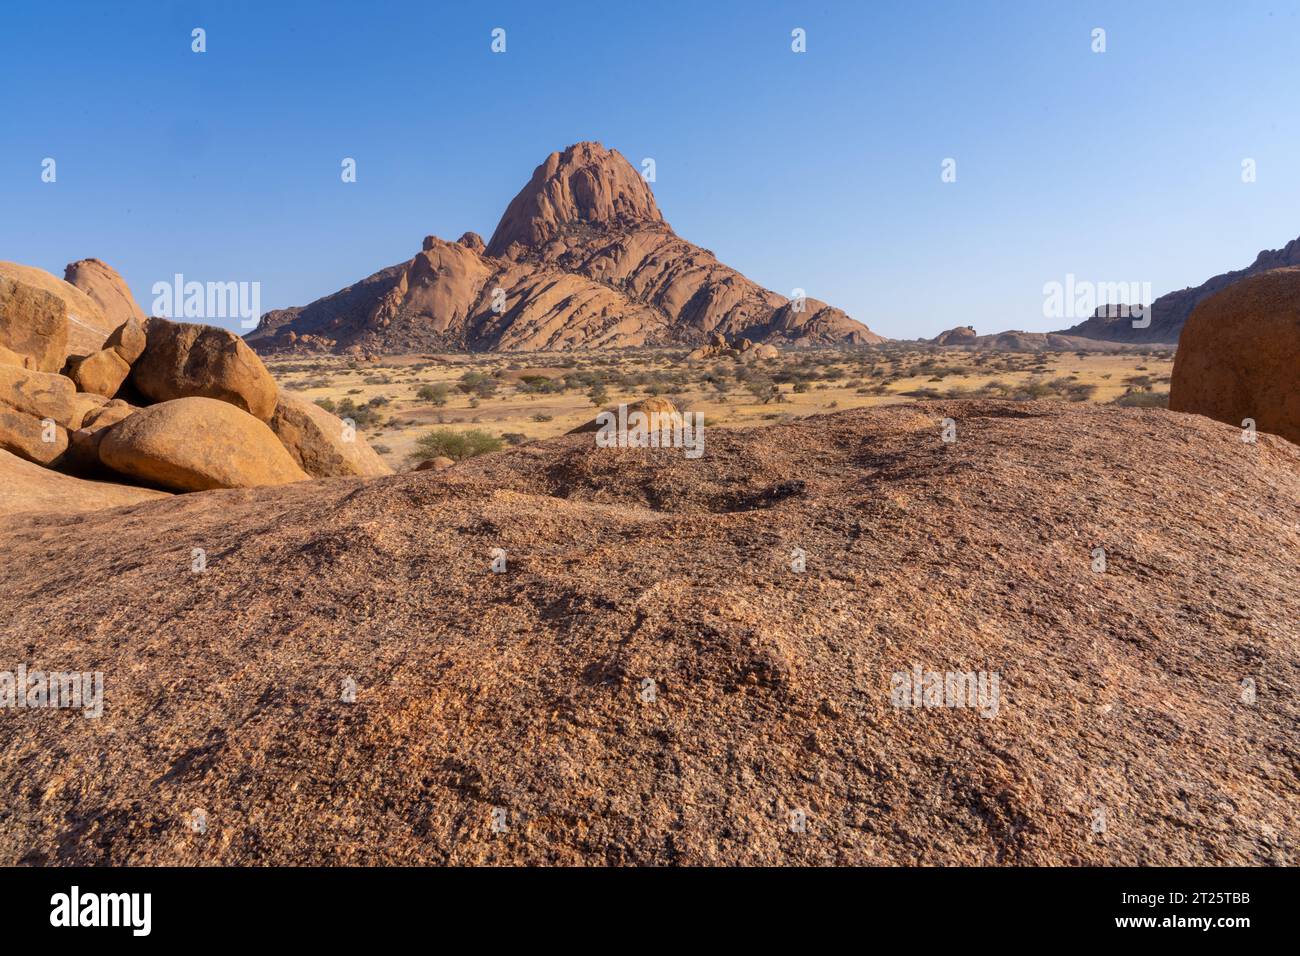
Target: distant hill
pixel 582 258
pixel 1169 312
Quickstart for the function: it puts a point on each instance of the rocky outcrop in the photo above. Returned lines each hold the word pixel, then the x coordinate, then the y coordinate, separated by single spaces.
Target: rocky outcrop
pixel 582 258
pixel 1239 355
pixel 961 335
pixel 87 325
pixel 213 392
pixel 106 289
pixel 323 446
pixel 1169 312
pixel 26 487
pixel 195 444
pixel 742 349
pixel 182 360
pixel 584 186
pixel 650 682
pixel 654 405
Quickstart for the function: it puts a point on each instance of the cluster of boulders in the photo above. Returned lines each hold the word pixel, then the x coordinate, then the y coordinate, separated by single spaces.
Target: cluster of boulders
pixel 91 386
pixel 742 349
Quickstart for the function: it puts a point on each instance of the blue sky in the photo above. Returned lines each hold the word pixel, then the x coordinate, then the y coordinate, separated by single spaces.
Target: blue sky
pixel 818 170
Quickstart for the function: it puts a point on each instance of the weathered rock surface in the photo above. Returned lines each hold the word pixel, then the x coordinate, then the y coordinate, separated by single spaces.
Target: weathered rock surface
pixel 87 325
pixel 106 288
pixel 26 488
pixel 194 444
pixel 102 372
pixel 185 360
pixel 41 394
pixel 33 325
pixel 110 413
pixel 1239 355
pixel 321 444
pixel 83 404
pixel 9 357
pixel 128 340
pixel 582 257
pixel 772 690
pixel 37 439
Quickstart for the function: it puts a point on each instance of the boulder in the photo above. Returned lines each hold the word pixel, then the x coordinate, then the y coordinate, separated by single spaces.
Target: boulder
pixel 441 463
pixel 961 335
pixel 110 413
pixel 10 357
pixel 25 487
pixel 106 289
pixel 646 405
pixel 83 403
pixel 321 444
pixel 39 394
pixel 194 444
pixel 182 360
pixel 87 326
pixel 128 340
pixel 470 240
pixel 33 325
pixel 37 439
pixel 1239 355
pixel 102 372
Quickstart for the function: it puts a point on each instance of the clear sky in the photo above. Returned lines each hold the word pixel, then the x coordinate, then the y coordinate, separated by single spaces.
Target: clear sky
pixel 818 170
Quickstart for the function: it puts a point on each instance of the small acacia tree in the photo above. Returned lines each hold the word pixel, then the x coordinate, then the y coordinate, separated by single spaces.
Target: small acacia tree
pixel 456 445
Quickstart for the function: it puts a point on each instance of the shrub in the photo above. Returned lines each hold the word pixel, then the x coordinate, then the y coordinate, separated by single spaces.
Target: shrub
pixel 457 446
pixel 1143 400
pixel 433 394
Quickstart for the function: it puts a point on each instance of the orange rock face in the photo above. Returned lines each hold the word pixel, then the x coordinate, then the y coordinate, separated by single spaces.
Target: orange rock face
pixel 106 288
pixel 1239 355
pixel 183 360
pixel 582 258
pixel 87 325
pixel 196 444
pixel 27 487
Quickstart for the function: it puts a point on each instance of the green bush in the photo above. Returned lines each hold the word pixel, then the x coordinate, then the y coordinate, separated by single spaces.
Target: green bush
pixel 1143 400
pixel 434 394
pixel 457 446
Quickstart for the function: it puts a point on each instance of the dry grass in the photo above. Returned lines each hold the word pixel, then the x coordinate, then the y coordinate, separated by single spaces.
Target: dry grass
pixel 807 383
